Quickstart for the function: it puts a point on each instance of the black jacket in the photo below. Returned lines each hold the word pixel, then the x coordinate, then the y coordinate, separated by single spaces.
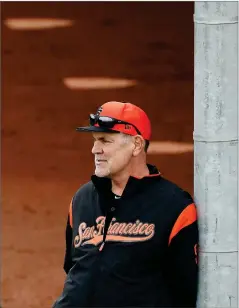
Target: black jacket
pixel 137 251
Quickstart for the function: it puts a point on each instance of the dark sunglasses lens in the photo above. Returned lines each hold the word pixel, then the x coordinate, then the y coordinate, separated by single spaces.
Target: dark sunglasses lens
pixel 106 122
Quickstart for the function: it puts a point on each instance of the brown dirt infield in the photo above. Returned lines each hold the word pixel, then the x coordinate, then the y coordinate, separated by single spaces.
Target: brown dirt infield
pixel 44 160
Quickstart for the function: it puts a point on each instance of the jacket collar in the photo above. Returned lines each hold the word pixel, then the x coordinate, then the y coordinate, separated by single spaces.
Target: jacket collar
pixel 104 186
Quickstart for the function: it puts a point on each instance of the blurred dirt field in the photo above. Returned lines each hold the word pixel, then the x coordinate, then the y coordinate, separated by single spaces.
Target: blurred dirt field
pixel 44 160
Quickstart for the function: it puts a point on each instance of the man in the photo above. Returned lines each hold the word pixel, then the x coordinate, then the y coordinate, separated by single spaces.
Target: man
pixel 131 237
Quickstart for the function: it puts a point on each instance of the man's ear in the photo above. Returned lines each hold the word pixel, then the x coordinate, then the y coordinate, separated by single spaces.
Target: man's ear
pixel 138 145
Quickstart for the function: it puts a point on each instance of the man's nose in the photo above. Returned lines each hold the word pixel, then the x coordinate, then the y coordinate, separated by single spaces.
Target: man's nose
pixel 97 148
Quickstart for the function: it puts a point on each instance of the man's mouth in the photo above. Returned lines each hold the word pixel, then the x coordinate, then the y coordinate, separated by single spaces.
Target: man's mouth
pixel 99 161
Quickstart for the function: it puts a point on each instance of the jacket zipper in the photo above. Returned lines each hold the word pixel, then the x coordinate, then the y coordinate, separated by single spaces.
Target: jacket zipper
pixel 102 246
pixel 108 219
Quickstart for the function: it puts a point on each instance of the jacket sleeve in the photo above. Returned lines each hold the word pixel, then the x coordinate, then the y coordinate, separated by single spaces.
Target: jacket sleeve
pixel 183 258
pixel 68 238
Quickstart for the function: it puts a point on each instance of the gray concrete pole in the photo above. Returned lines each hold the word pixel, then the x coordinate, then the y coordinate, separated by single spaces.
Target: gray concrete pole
pixel 216 151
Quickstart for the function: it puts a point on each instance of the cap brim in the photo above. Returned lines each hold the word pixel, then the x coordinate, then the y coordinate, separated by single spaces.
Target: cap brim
pixel 96 129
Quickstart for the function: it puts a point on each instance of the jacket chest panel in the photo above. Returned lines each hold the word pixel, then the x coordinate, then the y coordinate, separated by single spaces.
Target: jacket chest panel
pixel 136 231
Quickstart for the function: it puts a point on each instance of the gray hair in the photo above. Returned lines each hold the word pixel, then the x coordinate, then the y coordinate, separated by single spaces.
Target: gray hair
pixel 127 138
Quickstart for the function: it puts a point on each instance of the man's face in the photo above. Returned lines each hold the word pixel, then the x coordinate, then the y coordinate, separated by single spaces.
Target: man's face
pixel 113 153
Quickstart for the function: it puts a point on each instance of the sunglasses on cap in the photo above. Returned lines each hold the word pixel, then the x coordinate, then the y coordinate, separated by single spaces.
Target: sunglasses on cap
pixel 108 122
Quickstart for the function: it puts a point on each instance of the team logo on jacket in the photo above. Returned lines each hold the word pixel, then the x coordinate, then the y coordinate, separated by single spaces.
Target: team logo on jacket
pixel 117 232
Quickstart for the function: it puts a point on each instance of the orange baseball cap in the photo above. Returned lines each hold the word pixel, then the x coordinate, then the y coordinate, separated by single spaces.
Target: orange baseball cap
pixel 110 114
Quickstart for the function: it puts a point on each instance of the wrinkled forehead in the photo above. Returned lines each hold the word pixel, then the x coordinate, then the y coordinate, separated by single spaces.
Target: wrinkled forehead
pixel 100 135
pixel 116 137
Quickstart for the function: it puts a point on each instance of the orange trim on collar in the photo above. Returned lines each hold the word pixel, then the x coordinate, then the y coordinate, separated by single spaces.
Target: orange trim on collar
pixel 146 176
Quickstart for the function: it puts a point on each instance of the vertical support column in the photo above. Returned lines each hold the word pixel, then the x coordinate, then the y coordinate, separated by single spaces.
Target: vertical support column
pixel 216 151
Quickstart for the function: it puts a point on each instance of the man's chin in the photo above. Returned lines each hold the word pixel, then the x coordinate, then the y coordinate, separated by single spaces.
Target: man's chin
pixel 102 173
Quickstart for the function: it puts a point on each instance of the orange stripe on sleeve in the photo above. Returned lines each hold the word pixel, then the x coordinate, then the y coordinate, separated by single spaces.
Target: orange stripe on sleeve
pixel 186 218
pixel 70 215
